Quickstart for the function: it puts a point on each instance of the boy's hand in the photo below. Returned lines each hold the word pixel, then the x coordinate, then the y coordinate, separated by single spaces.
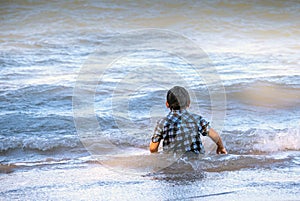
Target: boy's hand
pixel 154 147
pixel 221 150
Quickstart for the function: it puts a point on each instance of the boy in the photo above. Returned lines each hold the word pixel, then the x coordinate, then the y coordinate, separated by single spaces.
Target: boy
pixel 180 130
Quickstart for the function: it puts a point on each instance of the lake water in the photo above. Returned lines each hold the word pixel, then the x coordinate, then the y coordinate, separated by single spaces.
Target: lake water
pixel 82 84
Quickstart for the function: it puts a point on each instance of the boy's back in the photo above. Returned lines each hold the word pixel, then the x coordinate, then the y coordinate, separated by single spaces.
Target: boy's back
pixel 180 130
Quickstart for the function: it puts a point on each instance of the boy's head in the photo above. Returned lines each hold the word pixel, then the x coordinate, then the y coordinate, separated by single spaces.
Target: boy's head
pixel 178 98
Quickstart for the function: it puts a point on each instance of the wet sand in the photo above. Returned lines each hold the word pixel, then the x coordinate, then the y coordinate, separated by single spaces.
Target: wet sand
pixel 95 182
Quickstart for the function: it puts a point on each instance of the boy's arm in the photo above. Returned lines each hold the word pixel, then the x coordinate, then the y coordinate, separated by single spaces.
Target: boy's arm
pixel 154 146
pixel 157 136
pixel 217 139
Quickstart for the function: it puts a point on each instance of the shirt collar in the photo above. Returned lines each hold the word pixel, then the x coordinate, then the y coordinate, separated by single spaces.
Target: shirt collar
pixel 178 112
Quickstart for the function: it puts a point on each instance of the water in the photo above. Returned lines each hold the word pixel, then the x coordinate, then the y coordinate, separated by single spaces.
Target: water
pixel 254 47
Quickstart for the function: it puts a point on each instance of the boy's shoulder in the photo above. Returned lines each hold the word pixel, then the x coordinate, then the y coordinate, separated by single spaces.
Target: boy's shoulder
pixel 191 117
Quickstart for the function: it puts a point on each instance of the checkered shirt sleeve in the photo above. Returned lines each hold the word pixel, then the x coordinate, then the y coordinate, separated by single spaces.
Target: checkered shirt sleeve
pixel 203 126
pixel 158 131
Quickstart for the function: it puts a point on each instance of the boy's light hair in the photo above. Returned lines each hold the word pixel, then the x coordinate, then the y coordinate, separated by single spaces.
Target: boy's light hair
pixel 178 98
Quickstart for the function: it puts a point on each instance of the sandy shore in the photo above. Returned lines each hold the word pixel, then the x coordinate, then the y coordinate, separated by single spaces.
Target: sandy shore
pixel 95 182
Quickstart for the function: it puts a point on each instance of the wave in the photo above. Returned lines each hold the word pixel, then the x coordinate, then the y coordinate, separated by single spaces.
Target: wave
pixel 44 143
pixel 259 141
pixel 278 92
pixel 265 93
pixel 14 125
pixel 36 92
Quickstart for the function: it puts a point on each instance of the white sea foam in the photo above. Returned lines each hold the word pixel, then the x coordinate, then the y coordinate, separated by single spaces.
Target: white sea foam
pixel 278 141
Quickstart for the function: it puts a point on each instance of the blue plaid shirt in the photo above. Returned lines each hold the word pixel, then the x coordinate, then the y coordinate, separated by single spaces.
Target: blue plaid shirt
pixel 180 132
